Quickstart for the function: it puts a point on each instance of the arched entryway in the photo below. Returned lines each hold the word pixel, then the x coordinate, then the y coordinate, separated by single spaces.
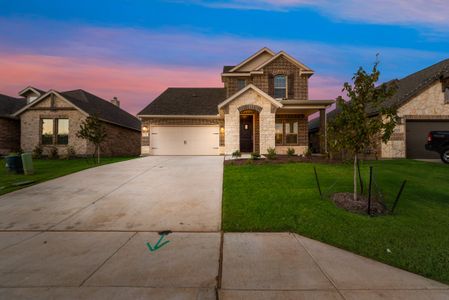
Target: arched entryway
pixel 249 128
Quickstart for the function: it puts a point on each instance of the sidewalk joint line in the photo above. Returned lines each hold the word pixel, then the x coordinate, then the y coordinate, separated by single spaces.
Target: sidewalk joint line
pixel 318 265
pixel 107 259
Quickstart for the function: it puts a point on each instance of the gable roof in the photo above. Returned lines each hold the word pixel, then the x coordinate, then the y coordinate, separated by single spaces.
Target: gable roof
pixel 407 88
pixel 9 105
pixel 244 90
pixel 103 109
pixel 186 101
pixel 37 91
pixel 252 57
pixel 288 57
pixel 415 83
pixel 92 105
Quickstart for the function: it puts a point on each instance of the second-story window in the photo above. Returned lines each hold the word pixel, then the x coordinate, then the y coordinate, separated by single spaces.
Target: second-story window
pixel 280 86
pixel 241 83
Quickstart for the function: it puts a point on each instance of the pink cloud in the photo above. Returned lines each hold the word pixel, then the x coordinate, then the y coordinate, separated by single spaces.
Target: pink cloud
pixel 325 87
pixel 135 85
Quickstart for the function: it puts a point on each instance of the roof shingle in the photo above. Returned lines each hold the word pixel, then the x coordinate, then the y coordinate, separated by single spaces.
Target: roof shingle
pixel 9 105
pixel 186 101
pixel 103 109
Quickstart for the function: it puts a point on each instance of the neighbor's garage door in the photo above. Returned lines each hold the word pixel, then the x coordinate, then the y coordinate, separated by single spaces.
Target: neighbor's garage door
pixel 416 137
pixel 185 140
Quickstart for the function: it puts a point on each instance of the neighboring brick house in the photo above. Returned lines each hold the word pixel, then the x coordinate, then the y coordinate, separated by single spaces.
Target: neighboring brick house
pixel 52 119
pixel 422 100
pixel 9 125
pixel 264 104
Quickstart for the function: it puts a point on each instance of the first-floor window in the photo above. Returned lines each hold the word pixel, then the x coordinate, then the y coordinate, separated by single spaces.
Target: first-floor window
pixel 55 131
pixel 291 132
pixel 286 132
pixel 62 137
pixel 446 95
pixel 279 133
pixel 48 129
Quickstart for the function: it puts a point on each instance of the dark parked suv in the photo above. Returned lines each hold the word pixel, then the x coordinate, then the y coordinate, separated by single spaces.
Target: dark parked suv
pixel 438 141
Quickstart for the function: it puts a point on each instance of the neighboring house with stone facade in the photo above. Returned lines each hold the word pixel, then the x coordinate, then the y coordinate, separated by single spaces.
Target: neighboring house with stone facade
pixel 9 125
pixel 264 104
pixel 52 119
pixel 422 100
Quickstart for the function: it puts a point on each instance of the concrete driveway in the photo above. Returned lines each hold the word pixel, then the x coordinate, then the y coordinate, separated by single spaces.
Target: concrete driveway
pixel 94 235
pixel 147 194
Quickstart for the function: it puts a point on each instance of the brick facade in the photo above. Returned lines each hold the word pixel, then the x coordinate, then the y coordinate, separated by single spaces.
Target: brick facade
pixel 297 82
pixel 9 135
pixel 119 142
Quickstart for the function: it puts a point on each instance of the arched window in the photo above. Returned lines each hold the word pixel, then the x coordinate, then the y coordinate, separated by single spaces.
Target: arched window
pixel 280 86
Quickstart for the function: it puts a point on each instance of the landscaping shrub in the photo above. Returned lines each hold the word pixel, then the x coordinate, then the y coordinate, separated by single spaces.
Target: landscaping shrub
pixel 290 151
pixel 236 154
pixel 53 153
pixel 71 153
pixel 307 152
pixel 37 152
pixel 255 156
pixel 271 153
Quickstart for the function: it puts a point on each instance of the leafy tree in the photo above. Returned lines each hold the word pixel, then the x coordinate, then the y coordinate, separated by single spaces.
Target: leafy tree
pixel 363 121
pixel 92 129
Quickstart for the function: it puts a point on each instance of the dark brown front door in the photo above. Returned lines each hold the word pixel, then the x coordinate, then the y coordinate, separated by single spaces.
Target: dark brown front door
pixel 246 133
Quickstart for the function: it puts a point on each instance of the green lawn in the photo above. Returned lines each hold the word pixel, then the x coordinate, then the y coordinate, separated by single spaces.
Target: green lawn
pixel 48 169
pixel 285 198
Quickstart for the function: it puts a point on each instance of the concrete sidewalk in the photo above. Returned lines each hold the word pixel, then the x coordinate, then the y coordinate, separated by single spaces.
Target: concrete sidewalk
pixel 119 265
pixel 289 266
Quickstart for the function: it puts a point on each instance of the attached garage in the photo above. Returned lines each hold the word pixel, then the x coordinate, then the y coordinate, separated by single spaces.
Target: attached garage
pixel 184 140
pixel 416 137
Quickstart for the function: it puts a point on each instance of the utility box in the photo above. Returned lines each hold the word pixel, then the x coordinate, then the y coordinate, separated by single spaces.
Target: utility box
pixel 27 162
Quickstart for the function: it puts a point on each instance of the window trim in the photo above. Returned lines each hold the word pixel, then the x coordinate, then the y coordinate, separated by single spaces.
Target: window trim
pixel 284 133
pixel 286 87
pixel 55 132
pixel 237 84
pixel 41 132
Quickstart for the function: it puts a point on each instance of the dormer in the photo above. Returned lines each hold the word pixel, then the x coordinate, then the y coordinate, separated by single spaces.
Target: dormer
pixel 31 94
pixel 278 74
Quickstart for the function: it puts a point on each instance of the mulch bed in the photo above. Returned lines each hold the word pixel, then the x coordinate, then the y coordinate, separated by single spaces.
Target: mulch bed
pixel 281 159
pixel 347 202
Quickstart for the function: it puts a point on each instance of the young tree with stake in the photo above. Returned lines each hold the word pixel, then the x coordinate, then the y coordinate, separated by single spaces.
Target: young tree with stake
pixel 92 129
pixel 364 120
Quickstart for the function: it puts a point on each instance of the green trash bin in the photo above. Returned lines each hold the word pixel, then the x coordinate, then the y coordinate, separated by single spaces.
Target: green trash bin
pixel 27 162
pixel 14 163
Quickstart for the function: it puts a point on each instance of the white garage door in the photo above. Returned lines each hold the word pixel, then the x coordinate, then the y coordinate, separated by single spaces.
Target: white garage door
pixel 185 140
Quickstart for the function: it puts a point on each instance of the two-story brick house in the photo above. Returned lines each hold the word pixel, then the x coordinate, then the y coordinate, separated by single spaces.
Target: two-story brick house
pixel 263 104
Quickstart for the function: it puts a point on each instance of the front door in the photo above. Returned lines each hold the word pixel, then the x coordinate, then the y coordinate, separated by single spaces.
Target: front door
pixel 246 133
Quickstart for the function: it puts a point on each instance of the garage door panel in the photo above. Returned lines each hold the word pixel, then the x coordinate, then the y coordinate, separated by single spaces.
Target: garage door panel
pixel 416 137
pixel 185 140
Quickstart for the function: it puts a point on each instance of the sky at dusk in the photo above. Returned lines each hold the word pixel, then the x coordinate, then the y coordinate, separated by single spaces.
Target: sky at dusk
pixel 136 49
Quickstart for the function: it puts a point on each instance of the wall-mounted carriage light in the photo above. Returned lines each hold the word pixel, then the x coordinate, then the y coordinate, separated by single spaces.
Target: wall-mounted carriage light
pixel 145 129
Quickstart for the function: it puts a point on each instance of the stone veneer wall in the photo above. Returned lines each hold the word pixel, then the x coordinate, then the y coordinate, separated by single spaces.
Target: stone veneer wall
pixel 428 105
pixel 266 122
pixel 297 83
pixel 9 135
